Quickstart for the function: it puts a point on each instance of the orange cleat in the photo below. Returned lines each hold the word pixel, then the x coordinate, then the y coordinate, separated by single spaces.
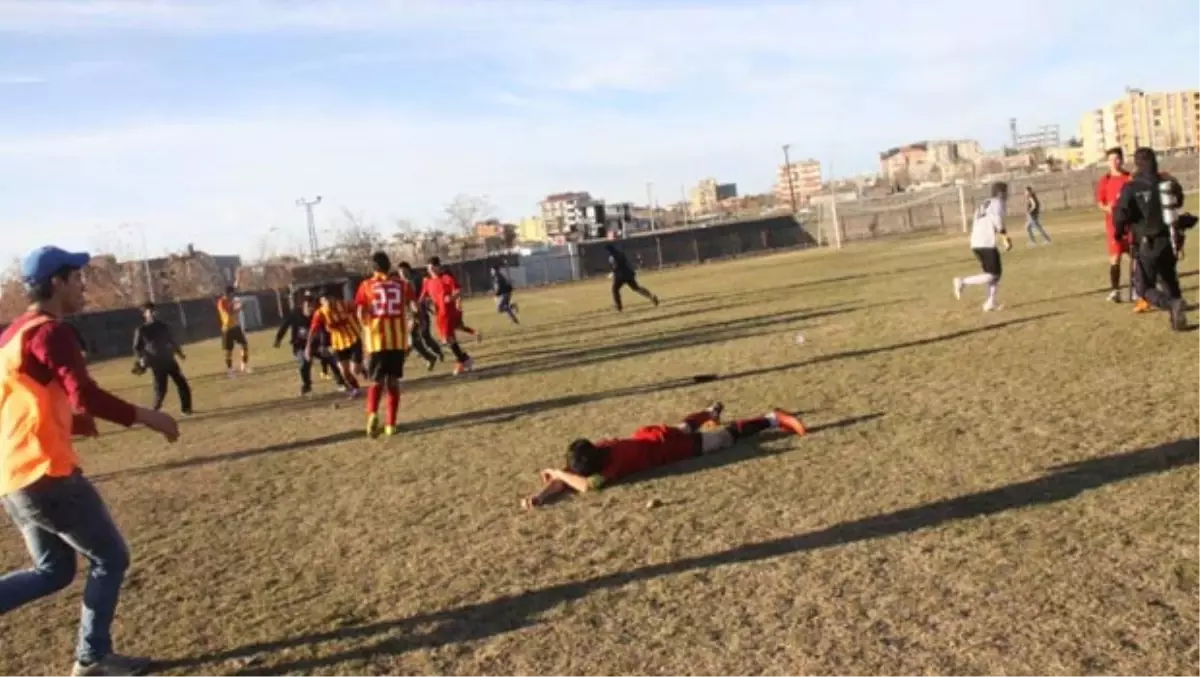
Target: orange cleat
pixel 790 422
pixel 1142 306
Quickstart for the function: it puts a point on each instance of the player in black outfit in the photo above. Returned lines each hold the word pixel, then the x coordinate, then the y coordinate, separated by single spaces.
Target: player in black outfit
pixel 503 290
pixel 622 276
pixel 297 322
pixel 419 337
pixel 1149 207
pixel 156 351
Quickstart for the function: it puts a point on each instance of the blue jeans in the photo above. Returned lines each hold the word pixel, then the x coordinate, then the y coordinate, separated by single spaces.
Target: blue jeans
pixel 59 516
pixel 1032 224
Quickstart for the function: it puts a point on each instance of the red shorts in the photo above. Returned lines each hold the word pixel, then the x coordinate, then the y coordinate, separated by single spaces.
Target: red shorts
pixel 1117 247
pixel 448 321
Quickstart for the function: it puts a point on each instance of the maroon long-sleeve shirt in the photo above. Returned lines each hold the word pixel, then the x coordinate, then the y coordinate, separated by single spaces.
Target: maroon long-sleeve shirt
pixel 52 353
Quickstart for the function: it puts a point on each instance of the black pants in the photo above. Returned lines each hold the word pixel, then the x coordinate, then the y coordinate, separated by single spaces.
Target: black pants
pixel 328 364
pixel 161 373
pixel 1156 262
pixel 630 281
pixel 423 342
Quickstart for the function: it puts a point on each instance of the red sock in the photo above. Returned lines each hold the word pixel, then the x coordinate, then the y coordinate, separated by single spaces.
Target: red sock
pixel 373 398
pixel 694 421
pixel 393 404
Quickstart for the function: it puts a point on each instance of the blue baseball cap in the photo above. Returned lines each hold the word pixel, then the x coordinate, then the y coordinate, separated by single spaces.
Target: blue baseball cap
pixel 41 264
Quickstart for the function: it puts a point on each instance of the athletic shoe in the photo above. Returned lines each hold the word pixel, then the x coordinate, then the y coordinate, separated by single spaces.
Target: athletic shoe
pixel 790 422
pixel 389 431
pixel 958 288
pixel 715 410
pixel 1114 296
pixel 112 664
pixel 373 427
pixel 1179 320
pixel 1142 306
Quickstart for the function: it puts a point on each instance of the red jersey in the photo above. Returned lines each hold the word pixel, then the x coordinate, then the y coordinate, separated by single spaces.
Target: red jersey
pixel 1108 190
pixel 648 447
pixel 442 289
pixel 383 301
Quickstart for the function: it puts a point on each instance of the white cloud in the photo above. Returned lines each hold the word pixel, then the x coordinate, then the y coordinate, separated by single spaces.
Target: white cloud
pixel 598 96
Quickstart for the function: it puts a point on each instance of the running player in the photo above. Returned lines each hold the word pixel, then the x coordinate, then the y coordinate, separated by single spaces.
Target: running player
pixel 419 338
pixel 503 290
pixel 344 338
pixel 594 465
pixel 987 231
pixel 623 275
pixel 1108 191
pixel 442 289
pixel 229 311
pixel 382 302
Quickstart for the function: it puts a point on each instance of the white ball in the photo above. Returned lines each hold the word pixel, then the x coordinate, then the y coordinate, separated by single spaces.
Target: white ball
pixel 799 339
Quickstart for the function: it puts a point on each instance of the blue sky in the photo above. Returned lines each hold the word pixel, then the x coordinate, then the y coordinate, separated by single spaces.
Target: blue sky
pixel 203 122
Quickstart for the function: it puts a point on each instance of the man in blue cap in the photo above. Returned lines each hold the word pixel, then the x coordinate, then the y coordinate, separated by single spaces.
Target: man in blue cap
pixel 48 396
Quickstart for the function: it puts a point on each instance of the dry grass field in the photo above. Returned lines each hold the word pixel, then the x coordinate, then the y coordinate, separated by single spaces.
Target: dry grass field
pixel 1005 493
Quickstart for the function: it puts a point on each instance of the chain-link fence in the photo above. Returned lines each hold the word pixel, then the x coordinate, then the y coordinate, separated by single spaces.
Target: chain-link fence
pixel 951 208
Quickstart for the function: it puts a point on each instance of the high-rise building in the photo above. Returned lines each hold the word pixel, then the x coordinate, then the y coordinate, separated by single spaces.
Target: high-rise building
pixel 704 197
pixel 1165 121
pixel 802 176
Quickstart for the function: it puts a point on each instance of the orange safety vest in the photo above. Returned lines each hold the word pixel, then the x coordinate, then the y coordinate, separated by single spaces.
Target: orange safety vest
pixel 35 421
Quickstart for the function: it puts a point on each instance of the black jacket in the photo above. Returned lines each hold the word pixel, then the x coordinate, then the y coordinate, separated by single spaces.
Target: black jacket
pixel 1140 209
pixel 619 264
pixel 500 284
pixel 154 344
pixel 298 324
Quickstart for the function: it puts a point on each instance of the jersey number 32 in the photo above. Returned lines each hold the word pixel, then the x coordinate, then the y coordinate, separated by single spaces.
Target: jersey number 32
pixel 387 301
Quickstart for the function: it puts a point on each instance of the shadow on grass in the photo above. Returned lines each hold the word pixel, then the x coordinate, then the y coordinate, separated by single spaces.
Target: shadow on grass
pixel 282 447
pixel 512 412
pixel 505 614
pixel 207 376
pixel 714 332
pixel 637 305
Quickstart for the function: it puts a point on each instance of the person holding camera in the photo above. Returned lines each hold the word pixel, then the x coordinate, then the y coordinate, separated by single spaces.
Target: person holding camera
pixel 1148 208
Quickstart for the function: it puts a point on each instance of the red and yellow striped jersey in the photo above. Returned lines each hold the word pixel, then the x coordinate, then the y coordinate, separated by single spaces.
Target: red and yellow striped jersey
pixel 383 300
pixel 227 312
pixel 343 327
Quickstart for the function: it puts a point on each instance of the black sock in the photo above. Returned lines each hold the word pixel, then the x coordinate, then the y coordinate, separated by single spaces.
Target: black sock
pixel 459 354
pixel 1114 276
pixel 748 426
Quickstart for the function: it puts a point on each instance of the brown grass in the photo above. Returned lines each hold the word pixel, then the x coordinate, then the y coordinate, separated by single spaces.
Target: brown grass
pixel 1013 493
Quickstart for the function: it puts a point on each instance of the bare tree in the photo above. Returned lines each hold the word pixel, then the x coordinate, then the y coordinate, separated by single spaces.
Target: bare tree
pixel 12 293
pixel 357 238
pixel 464 211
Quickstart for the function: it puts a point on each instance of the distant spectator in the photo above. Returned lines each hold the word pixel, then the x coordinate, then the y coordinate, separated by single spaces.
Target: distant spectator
pixel 1033 210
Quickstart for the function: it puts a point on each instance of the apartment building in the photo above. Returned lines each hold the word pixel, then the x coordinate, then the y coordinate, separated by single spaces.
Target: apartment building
pixel 704 197
pixel 924 161
pixel 803 176
pixel 531 229
pixel 1165 121
pixel 563 212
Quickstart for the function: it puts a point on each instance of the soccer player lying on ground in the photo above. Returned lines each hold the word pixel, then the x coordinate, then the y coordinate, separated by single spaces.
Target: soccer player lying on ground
pixel 593 465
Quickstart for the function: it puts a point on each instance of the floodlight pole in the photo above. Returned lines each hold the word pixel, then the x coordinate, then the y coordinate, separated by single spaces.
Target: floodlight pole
pixel 308 205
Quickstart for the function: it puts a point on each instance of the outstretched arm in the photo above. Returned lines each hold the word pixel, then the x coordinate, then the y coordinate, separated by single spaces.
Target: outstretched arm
pixel 556 482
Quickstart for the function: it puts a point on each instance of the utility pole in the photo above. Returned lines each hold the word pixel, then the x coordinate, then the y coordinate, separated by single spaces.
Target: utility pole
pixel 650 203
pixel 308 205
pixel 787 164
